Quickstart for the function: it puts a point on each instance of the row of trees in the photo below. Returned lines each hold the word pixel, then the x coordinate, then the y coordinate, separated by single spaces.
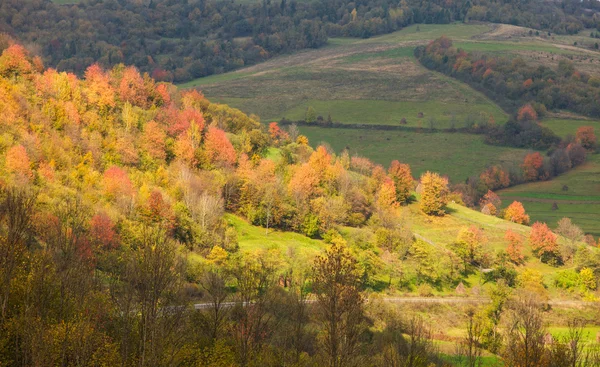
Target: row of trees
pixel 514 83
pixel 179 41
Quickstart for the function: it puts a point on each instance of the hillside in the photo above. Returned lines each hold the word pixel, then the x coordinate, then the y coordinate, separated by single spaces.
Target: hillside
pixel 123 201
pixel 385 104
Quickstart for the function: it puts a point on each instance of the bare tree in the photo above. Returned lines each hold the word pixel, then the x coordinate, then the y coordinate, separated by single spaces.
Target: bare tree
pixel 571 349
pixel 16 210
pixel 250 316
pixel 525 335
pixel 153 280
pixel 214 283
pixel 469 348
pixel 340 311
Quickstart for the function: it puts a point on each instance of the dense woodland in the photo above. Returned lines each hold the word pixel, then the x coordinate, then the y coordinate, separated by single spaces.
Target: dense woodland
pixel 177 41
pixel 112 223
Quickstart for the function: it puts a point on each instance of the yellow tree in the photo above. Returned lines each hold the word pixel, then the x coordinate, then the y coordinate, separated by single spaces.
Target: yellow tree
pixel 516 213
pixel 434 193
pixel 400 173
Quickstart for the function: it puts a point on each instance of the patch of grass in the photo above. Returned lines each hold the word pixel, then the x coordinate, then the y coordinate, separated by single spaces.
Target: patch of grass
pixel 441 115
pixel 454 154
pixel 372 81
pixel 390 53
pixel 287 246
pixel 564 127
pixel 580 201
pixel 508 46
pixel 217 78
pixel 588 335
pixel 418 32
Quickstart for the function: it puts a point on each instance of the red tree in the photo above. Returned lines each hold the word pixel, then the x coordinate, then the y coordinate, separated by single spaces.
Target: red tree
pixel 179 122
pixel 116 182
pixel 102 231
pixel 515 247
pixel 586 137
pixel 277 135
pixel 495 177
pixel 527 113
pixel 543 241
pixel 14 61
pixel 218 147
pixel 132 89
pixel 532 166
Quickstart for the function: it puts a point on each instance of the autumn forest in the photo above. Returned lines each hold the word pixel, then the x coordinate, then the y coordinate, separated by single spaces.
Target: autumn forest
pixel 143 223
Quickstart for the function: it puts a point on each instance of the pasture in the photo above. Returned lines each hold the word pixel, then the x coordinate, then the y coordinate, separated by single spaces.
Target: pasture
pixel 356 81
pixel 457 155
pixel 576 194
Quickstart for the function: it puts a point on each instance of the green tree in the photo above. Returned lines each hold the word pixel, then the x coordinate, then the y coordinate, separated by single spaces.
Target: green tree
pixel 311 115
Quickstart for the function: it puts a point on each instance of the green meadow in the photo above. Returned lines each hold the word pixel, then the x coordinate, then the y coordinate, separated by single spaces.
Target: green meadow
pixel 457 155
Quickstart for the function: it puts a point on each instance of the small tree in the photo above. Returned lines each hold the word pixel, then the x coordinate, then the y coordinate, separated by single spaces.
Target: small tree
pixel 525 334
pixel 527 113
pixel 515 247
pixel 568 230
pixel 543 242
pixel 434 194
pixel 402 177
pixel 586 137
pixel 516 213
pixel 311 115
pixel 532 166
pixel 469 245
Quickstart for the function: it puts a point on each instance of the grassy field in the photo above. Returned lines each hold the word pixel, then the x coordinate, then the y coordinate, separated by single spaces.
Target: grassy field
pixel 581 202
pixel 252 238
pixel 564 127
pixel 372 81
pixel 454 154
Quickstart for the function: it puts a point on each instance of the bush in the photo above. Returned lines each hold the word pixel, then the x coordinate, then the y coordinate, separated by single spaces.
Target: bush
pixel 425 290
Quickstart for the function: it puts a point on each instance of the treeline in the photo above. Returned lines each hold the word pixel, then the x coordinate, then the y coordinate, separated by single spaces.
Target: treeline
pixel 178 41
pixel 567 154
pixel 513 83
